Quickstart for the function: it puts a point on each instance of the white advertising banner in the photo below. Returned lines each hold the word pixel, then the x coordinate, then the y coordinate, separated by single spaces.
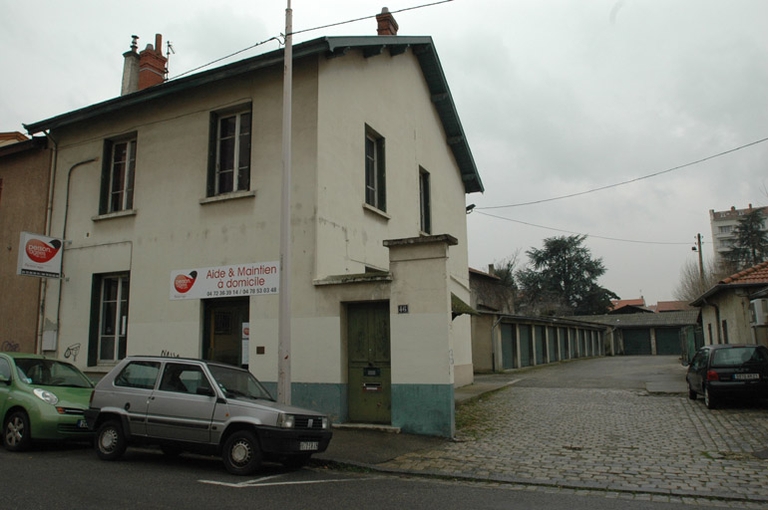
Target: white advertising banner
pixel 226 281
pixel 39 256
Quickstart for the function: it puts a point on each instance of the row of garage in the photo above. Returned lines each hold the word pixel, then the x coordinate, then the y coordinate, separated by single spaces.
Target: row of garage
pixel 504 342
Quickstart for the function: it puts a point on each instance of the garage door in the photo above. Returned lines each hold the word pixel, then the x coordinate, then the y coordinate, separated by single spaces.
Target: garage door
pixel 668 341
pixel 526 346
pixel 637 341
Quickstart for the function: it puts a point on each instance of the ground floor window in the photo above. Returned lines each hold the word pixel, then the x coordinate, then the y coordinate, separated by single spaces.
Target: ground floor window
pixel 109 318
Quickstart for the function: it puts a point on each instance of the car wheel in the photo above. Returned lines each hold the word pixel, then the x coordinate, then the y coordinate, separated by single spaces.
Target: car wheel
pixel 16 432
pixel 110 440
pixel 709 399
pixel 241 454
pixel 296 461
pixel 691 392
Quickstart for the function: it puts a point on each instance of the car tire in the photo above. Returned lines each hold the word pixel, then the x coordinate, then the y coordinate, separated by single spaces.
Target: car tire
pixel 691 392
pixel 296 461
pixel 110 440
pixel 709 400
pixel 241 453
pixel 16 432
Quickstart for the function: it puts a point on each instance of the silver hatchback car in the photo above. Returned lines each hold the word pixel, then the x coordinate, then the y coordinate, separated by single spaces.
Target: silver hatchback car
pixel 203 407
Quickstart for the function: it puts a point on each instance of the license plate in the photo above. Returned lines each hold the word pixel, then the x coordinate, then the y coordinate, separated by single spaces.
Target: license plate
pixel 308 446
pixel 82 424
pixel 746 377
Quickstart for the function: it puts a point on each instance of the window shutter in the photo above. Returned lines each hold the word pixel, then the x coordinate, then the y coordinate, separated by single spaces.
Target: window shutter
pixel 106 168
pixel 212 135
pixel 381 185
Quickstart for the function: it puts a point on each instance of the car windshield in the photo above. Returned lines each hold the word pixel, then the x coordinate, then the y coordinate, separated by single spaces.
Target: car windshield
pixel 46 372
pixel 238 383
pixel 738 356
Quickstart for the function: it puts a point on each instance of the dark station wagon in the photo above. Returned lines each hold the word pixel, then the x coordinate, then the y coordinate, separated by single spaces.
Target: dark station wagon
pixel 204 407
pixel 723 373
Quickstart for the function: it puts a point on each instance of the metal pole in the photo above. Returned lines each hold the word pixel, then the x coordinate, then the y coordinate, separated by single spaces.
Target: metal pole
pixel 284 322
pixel 701 262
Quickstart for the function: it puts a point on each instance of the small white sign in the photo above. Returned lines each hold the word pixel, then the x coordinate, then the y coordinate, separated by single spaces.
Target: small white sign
pixel 39 256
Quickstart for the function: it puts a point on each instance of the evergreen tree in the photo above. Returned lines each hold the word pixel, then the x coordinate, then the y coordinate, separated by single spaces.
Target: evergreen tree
pixel 562 279
pixel 750 244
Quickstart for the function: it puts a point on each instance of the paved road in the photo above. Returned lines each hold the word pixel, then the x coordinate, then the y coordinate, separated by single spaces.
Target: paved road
pixel 594 425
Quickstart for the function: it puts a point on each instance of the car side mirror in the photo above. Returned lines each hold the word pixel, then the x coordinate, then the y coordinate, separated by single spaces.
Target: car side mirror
pixel 205 391
pixel 4 379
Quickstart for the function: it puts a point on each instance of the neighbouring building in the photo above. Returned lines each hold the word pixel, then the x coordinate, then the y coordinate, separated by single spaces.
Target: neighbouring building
pixel 735 310
pixel 172 225
pixel 24 169
pixel 723 224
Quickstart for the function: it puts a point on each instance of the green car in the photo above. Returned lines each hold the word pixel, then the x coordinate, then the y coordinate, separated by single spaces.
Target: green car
pixel 41 399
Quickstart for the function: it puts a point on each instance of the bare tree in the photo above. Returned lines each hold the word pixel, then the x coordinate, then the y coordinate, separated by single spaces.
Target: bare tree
pixel 691 285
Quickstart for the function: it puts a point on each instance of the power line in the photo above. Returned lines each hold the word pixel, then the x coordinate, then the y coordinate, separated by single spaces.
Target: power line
pixel 631 180
pixel 303 31
pixel 368 17
pixel 579 233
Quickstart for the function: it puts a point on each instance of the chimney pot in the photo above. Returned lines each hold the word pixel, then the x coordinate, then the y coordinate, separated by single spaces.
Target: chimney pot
pixel 387 23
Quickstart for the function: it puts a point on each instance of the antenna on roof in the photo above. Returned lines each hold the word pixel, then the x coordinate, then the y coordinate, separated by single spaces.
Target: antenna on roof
pixel 169 49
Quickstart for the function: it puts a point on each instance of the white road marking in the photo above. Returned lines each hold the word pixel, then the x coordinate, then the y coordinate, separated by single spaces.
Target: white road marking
pixel 260 482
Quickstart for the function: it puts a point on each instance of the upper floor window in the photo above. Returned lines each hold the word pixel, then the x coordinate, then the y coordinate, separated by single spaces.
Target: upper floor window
pixel 425 205
pixel 375 175
pixel 230 164
pixel 725 229
pixel 118 175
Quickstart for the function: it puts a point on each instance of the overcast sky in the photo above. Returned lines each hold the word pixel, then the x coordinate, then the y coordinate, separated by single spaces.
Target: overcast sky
pixel 557 97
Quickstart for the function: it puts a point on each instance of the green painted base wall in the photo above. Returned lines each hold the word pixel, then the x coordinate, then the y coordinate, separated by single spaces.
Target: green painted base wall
pixel 330 399
pixel 425 409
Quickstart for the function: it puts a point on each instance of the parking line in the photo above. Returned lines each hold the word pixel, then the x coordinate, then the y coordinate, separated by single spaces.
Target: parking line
pixel 260 482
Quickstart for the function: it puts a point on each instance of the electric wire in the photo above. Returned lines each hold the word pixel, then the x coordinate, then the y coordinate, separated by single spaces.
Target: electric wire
pixel 304 31
pixel 581 234
pixel 571 195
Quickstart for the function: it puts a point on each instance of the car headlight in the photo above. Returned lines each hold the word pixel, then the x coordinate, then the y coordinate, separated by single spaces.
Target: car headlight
pixel 46 396
pixel 286 421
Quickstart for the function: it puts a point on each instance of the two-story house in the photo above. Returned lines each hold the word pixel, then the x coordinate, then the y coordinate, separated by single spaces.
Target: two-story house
pixel 168 200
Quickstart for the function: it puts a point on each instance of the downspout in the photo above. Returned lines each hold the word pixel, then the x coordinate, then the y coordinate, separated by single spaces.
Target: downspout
pixel 48 216
pixel 64 236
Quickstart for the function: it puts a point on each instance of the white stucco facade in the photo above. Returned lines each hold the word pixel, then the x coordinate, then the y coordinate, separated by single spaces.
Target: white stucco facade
pixel 344 251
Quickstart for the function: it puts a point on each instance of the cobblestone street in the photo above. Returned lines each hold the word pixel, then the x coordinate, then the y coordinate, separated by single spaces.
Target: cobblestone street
pixel 627 441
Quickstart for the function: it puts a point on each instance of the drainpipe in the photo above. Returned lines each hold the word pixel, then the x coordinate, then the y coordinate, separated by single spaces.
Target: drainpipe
pixel 48 216
pixel 64 238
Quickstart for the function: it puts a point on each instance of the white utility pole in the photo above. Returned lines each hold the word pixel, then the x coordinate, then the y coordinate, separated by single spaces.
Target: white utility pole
pixel 284 325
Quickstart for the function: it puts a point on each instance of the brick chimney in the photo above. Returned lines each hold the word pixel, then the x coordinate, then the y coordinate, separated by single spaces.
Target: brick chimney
pixel 152 64
pixel 387 23
pixel 130 69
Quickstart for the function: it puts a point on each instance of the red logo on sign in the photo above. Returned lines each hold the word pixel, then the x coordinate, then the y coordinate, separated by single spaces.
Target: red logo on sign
pixel 40 251
pixel 182 283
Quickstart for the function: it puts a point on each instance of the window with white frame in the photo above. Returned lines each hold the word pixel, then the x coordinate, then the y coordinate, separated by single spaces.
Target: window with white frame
pixel 113 317
pixel 118 175
pixel 375 175
pixel 425 204
pixel 230 167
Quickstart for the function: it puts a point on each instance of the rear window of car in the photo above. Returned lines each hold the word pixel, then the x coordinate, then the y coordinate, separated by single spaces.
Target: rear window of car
pixel 738 356
pixel 138 374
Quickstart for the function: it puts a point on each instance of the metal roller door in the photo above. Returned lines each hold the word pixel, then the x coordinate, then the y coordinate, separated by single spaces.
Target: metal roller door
pixel 637 342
